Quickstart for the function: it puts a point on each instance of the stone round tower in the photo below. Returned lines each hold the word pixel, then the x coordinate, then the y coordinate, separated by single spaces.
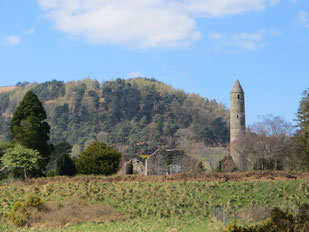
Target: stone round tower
pixel 237 120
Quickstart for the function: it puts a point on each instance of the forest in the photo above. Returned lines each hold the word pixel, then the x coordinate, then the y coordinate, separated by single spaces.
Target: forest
pixel 134 115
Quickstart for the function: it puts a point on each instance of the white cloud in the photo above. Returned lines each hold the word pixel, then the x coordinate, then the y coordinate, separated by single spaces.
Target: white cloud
pixel 135 74
pixel 303 18
pixel 243 40
pixel 30 31
pixel 11 40
pixel 214 8
pixel 141 23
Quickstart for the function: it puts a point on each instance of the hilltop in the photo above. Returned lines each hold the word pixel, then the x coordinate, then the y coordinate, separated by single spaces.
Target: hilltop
pixel 7 88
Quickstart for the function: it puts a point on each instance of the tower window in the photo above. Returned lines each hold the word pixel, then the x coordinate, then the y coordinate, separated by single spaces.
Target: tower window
pixel 237 115
pixel 238 96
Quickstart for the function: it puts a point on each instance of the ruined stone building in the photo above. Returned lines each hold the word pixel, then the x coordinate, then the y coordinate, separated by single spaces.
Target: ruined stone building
pixel 237 122
pixel 168 161
pixel 161 162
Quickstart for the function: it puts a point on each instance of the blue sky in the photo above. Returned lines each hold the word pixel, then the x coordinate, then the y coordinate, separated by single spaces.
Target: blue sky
pixel 199 46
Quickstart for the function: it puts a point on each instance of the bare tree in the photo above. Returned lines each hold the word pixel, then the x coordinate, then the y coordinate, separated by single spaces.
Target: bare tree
pixel 210 155
pixel 266 144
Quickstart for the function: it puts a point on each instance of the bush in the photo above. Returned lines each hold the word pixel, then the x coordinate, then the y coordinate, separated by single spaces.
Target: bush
pixel 267 164
pixel 226 164
pixel 65 166
pixel 264 227
pixel 21 214
pixel 281 221
pixel 51 173
pixel 99 159
pixel 33 201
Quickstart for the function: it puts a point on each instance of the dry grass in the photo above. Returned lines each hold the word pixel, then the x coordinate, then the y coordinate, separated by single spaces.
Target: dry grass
pixel 254 214
pixel 7 89
pixel 201 177
pixel 59 214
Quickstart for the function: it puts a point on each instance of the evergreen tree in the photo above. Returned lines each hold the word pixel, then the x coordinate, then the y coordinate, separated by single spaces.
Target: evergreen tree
pixel 302 136
pixel 59 150
pixel 65 166
pixel 30 129
pixel 98 159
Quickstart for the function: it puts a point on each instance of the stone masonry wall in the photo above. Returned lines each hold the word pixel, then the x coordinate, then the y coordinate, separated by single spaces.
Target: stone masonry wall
pixel 163 162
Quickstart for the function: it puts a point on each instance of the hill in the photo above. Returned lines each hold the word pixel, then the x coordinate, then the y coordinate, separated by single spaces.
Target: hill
pixel 135 115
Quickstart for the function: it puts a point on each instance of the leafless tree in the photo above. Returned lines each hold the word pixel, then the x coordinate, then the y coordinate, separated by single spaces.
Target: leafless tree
pixel 211 155
pixel 269 139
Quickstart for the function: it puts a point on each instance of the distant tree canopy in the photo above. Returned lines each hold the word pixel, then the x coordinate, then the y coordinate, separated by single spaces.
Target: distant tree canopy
pixel 98 159
pixel 137 115
pixel 30 129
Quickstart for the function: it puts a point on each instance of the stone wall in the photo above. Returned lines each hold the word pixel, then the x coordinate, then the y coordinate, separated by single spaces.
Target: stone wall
pixel 164 161
pixel 134 166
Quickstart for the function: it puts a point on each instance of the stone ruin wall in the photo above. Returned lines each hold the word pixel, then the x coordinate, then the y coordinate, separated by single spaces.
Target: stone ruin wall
pixel 163 162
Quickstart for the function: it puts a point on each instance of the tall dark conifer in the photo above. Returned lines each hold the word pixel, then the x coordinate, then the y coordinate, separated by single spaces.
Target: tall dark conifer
pixel 30 129
pixel 302 135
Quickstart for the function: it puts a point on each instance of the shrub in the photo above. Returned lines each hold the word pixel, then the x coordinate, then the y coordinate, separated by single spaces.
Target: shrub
pixel 226 164
pixel 265 227
pixel 65 166
pixel 267 164
pixel 33 201
pixel 98 158
pixel 281 221
pixel 20 214
pixel 51 173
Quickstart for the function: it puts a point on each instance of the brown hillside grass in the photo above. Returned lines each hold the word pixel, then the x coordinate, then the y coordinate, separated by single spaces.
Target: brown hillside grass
pixel 50 101
pixel 7 89
pixel 59 214
pixel 201 177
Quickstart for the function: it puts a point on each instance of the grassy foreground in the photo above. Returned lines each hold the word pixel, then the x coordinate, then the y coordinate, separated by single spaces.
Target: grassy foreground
pixel 178 204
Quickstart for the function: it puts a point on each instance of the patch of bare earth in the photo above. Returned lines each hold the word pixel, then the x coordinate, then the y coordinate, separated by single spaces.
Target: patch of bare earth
pixel 50 101
pixel 7 115
pixel 59 214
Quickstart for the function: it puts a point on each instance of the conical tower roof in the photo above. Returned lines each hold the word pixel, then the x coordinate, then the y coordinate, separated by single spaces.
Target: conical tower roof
pixel 237 87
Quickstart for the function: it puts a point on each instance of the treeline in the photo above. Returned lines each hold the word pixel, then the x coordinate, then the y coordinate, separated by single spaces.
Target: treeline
pixel 136 115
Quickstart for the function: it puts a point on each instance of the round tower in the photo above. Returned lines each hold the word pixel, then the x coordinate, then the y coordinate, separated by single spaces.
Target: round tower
pixel 237 120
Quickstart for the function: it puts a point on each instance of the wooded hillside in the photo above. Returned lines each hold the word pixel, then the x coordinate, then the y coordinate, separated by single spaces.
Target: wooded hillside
pixel 135 115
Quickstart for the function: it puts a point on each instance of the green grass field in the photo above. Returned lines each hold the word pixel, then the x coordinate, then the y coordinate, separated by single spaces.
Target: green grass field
pixel 161 206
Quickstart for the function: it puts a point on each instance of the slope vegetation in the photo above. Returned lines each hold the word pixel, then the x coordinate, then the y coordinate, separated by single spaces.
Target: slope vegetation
pixel 136 115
